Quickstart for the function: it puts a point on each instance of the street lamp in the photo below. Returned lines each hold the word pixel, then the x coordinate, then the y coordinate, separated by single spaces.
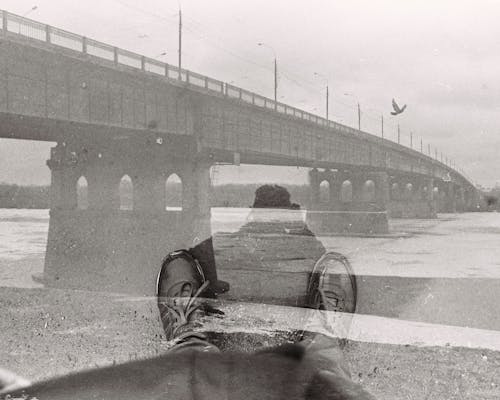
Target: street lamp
pixel 275 72
pixel 327 92
pixel 24 15
pixel 29 11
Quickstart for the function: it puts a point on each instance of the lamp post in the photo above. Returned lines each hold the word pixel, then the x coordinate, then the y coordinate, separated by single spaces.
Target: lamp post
pixel 30 11
pixel 24 15
pixel 327 91
pixel 275 72
pixel 382 121
pixel 359 117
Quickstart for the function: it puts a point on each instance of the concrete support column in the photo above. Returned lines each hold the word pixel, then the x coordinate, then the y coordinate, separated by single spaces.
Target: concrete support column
pixel 357 180
pixel 418 193
pixel 429 194
pixel 431 198
pixel 314 188
pixel 461 200
pixel 63 194
pixel 382 189
pixel 103 185
pixel 335 189
pixel 450 199
pixel 149 192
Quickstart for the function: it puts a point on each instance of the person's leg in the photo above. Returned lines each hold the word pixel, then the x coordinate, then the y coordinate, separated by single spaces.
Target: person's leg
pixel 332 291
pixel 203 252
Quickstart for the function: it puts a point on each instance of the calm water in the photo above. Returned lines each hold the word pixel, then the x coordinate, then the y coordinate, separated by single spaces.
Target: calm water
pixel 23 232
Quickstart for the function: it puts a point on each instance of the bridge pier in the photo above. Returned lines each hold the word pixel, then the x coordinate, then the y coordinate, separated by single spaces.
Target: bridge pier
pixel 412 198
pixel 356 202
pixel 449 201
pixel 107 248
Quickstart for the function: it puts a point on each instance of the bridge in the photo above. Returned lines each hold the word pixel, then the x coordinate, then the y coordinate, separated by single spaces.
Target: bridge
pixel 112 112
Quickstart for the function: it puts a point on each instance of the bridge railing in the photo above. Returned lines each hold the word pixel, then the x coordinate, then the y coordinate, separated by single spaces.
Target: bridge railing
pixel 25 27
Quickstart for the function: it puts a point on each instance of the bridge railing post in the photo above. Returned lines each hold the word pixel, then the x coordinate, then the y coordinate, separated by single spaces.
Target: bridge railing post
pixel 5 22
pixel 47 33
pixel 115 55
pixel 84 45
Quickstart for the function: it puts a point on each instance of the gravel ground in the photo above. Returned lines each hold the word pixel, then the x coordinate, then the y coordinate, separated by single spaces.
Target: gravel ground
pixel 48 332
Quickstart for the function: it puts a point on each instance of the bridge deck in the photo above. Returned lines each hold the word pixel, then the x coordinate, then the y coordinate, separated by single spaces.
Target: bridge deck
pixel 50 74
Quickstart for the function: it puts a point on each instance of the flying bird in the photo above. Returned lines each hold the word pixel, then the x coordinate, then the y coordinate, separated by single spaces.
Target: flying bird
pixel 396 108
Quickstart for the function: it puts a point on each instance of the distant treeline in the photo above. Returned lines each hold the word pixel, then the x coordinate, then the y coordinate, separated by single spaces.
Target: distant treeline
pixel 238 195
pixel 14 196
pixel 230 195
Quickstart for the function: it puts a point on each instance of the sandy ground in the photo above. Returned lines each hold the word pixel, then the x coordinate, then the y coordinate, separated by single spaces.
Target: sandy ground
pixel 47 332
pixel 437 271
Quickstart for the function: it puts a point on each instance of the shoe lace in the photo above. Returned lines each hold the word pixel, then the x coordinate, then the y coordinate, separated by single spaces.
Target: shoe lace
pixel 327 299
pixel 181 314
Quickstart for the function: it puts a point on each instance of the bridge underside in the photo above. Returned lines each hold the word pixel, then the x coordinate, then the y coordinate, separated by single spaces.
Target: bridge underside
pixel 104 246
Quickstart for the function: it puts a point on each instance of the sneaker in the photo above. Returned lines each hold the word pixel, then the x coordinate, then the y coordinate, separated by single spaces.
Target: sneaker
pixel 332 288
pixel 180 284
pixel 332 285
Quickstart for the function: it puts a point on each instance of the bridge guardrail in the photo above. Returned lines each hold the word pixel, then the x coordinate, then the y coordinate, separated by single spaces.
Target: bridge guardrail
pixel 15 24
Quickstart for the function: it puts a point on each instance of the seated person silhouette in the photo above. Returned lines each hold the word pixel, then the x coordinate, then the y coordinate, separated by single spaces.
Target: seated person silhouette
pixel 195 368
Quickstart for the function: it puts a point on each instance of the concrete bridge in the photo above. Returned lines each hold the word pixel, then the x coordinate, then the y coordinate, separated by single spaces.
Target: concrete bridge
pixel 113 113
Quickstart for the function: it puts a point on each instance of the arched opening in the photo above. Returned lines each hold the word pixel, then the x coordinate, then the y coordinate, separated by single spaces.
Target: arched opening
pixel 82 193
pixel 324 192
pixel 368 192
pixel 424 193
pixel 346 192
pixel 173 193
pixel 395 191
pixel 408 192
pixel 126 190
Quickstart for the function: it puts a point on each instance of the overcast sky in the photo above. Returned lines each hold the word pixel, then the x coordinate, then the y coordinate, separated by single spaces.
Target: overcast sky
pixel 440 57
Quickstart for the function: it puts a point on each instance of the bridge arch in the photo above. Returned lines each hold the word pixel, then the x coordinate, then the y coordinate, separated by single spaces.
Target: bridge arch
pixel 368 191
pixel 126 193
pixel 408 191
pixel 324 192
pixel 174 188
pixel 395 191
pixel 424 192
pixel 346 191
pixel 82 193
